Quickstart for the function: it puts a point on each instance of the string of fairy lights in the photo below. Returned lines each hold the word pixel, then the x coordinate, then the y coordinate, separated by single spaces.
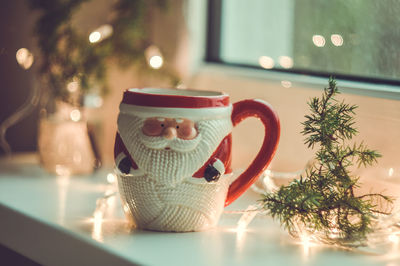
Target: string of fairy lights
pixel 384 240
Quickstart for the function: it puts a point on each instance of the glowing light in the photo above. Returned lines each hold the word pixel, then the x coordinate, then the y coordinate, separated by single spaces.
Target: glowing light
pixel 242 224
pixel 334 230
pixel 62 184
pixel 92 100
pixel 154 57
pixel 75 115
pixel 269 184
pixel 391 172
pixel 106 31
pixel 98 102
pixel 62 170
pixel 73 86
pixel 111 202
pixel 97 225
pixel 286 84
pixel 94 37
pixel 181 85
pixel 246 218
pixel 337 39
pixel 306 242
pixel 101 33
pixel 266 62
pixel 286 61
pixel 318 40
pixel 111 178
pixel 24 58
pixel 393 238
pixel 156 61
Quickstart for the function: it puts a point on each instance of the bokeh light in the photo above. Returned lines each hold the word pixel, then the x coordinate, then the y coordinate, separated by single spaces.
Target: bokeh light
pixel 24 58
pixel 286 61
pixel 266 62
pixel 75 115
pixel 318 40
pixel 337 39
pixel 156 61
pixel 94 37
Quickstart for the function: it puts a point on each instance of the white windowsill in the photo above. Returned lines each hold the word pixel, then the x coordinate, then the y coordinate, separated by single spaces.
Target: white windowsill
pixel 48 219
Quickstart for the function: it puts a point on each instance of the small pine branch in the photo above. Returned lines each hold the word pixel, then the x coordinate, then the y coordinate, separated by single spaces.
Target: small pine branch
pixel 323 198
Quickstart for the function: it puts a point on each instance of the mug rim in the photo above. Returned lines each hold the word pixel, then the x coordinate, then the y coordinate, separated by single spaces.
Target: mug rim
pixel 178 92
pixel 175 98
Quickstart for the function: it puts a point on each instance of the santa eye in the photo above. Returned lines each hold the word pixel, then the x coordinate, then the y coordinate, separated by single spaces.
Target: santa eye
pixel 177 127
pixel 162 125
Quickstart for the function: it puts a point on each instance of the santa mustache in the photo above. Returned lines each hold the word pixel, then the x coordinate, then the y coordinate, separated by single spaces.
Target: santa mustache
pixel 179 145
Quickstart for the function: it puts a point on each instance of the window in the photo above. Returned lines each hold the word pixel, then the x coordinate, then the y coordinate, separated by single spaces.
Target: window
pixel 351 39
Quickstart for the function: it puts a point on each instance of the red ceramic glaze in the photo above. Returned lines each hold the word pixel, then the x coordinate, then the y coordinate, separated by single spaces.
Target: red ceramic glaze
pixel 158 99
pixel 263 111
pixel 223 153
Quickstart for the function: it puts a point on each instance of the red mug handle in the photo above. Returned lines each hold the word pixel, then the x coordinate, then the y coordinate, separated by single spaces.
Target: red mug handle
pixel 263 111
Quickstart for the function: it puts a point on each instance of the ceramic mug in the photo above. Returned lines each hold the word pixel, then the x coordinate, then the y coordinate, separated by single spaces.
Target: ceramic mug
pixel 173 155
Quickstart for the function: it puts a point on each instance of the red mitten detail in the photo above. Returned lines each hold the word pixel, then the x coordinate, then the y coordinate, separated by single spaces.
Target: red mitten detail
pixel 120 147
pixel 221 154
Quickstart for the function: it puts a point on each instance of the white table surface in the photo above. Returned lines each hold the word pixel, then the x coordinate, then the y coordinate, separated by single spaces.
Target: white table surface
pixel 49 219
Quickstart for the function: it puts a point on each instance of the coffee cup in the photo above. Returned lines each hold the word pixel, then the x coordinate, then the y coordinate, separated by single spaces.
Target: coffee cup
pixel 173 152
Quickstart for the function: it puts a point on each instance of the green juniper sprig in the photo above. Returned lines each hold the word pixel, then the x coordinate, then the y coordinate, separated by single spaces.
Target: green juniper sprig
pixel 324 197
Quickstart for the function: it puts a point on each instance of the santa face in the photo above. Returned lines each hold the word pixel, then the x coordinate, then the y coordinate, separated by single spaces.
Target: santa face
pixel 170 128
pixel 169 150
pixel 179 135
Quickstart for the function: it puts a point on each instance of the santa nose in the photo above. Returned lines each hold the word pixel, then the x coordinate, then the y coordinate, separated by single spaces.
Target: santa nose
pixel 169 133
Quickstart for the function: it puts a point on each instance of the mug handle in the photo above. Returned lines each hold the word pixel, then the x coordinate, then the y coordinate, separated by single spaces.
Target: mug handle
pixel 263 111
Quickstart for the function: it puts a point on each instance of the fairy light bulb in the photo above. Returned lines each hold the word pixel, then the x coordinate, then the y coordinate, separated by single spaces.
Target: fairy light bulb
pixel 156 62
pixel 101 33
pixel 337 39
pixel 318 40
pixel 111 178
pixel 75 115
pixel 286 61
pixel 266 62
pixel 73 86
pixel 306 243
pixel 24 58
pixel 246 218
pixel 94 37
pixel 97 225
pixel 391 172
pixel 154 57
pixel 286 83
pixel 393 238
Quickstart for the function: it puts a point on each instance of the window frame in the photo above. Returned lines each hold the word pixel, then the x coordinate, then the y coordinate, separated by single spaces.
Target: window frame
pixel 366 86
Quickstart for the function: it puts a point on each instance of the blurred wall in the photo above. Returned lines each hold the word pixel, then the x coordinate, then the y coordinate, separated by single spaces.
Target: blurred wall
pixel 16 24
pixel 16 31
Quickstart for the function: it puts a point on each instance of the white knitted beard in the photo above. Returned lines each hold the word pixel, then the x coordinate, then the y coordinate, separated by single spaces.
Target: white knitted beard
pixel 170 167
pixel 176 144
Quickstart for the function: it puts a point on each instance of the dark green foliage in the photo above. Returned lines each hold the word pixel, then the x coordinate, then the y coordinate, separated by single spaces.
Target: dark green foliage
pixel 66 52
pixel 323 199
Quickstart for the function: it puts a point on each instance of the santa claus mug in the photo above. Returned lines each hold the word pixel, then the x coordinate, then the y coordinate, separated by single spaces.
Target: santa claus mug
pixel 173 155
